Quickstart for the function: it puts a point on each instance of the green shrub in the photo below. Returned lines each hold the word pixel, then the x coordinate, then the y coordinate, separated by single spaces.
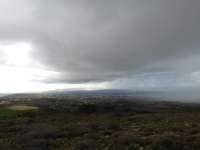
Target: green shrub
pixel 85 144
pixel 87 108
pixel 166 143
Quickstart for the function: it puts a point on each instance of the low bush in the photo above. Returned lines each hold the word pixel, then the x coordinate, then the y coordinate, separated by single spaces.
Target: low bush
pixel 167 143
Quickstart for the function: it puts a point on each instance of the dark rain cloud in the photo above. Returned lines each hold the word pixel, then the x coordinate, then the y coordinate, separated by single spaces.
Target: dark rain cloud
pixel 103 40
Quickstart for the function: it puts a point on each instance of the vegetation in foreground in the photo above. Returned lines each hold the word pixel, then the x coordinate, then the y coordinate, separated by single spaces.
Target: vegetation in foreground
pixel 98 125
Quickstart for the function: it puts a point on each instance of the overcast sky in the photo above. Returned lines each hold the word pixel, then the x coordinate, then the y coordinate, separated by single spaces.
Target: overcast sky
pixel 92 44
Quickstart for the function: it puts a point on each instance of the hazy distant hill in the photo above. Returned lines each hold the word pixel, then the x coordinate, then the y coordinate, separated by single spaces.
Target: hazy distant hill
pixel 181 95
pixel 190 95
pixel 1 95
pixel 110 92
pixel 78 93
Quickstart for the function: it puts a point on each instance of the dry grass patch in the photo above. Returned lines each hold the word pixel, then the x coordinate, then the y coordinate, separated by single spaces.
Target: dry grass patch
pixel 22 107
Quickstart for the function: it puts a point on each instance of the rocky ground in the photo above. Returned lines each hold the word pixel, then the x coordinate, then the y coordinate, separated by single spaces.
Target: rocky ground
pixel 119 124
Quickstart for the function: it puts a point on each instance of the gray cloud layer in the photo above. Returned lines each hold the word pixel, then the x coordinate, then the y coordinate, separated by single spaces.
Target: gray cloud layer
pixel 101 40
